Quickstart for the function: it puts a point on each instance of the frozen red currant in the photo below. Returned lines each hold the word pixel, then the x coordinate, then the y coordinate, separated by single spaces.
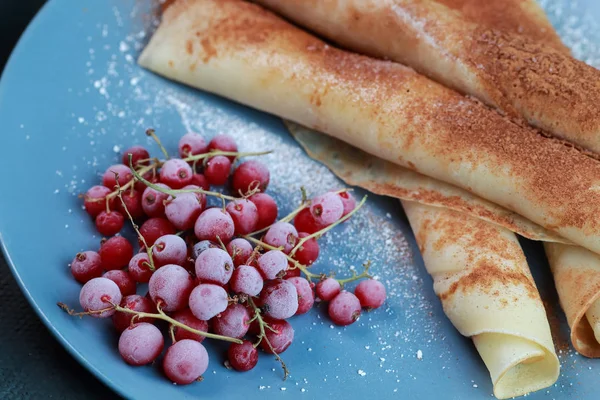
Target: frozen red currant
pixel 327 289
pixel 327 208
pixel 139 268
pixel 176 173
pixel 170 287
pixel 266 208
pixel 115 253
pixel 139 156
pixel 200 181
pixel 370 293
pixel 185 361
pixel 140 344
pixel 121 320
pixel 86 265
pixel 306 297
pixel 154 228
pixel 214 266
pixel 280 336
pixel 348 201
pixel 207 300
pixel 169 249
pixel 100 294
pixel 282 234
pixel 214 223
pixel 192 144
pixel 109 179
pixel 344 309
pixel 242 357
pixel 217 170
pixel 201 246
pixel 272 264
pixel 244 214
pixel 279 299
pixel 187 318
pixel 125 282
pixel 109 223
pixel 304 222
pixel 133 202
pixel 246 280
pixel 94 200
pixel 183 210
pixel 250 175
pixel 233 322
pixel 153 201
pixel 223 143
pixel 239 249
pixel 308 252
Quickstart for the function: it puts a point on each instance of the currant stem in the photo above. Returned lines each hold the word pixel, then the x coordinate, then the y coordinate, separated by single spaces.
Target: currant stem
pixel 287 218
pixel 262 336
pixel 327 228
pixel 355 277
pixel 173 192
pixel 225 153
pixel 152 133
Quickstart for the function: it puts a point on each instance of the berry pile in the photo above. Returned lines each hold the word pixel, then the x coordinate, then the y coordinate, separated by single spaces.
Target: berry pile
pixel 232 272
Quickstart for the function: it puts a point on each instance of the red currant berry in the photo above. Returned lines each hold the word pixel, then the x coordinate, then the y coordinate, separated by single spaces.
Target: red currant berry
pixel 370 293
pixel 200 181
pixel 155 228
pixel 308 253
pixel 207 300
pixel 250 175
pixel 224 143
pixel 133 202
pixel 141 343
pixel 121 320
pixel 99 294
pixel 242 357
pixel 109 178
pixel 246 280
pixel 327 289
pixel 344 309
pixel 304 222
pixel 233 322
pixel 115 253
pixel 86 265
pixel 183 210
pixel 217 170
pixel 348 201
pixel 306 297
pixel 153 201
pixel 272 264
pixel 94 200
pixel 327 208
pixel 125 282
pixel 239 249
pixel 192 144
pixel 280 337
pixel 244 214
pixel 279 299
pixel 139 268
pixel 137 153
pixel 282 234
pixel 170 286
pixel 267 209
pixel 187 318
pixel 214 223
pixel 109 223
pixel 176 173
pixel 185 361
pixel 169 249
pixel 214 266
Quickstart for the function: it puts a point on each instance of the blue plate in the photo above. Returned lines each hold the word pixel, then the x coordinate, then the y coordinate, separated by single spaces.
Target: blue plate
pixel 72 97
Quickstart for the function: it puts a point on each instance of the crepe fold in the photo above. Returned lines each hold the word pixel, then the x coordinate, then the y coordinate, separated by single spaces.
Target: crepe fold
pixel 245 53
pixel 481 276
pixel 504 53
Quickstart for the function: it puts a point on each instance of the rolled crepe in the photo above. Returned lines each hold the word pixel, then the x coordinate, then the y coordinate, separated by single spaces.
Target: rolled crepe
pixel 357 168
pixel 577 278
pixel 245 53
pixel 496 51
pixel 481 276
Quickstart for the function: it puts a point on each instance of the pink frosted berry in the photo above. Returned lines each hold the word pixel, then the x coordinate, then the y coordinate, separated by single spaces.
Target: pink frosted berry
pixel 217 170
pixel 246 280
pixel 170 286
pixel 272 263
pixel 86 265
pixel 187 318
pixel 213 223
pixel 214 266
pixel 223 142
pixel 200 181
pixel 183 210
pixel 344 309
pixel 266 208
pixel 280 337
pixel 139 268
pixel 370 293
pixel 169 249
pixel 141 343
pixel 280 299
pixel 232 322
pixel 94 200
pixel 239 249
pixel 98 294
pixel 124 281
pixel 201 246
pixel 153 201
pixel 327 289
pixel 327 208
pixel 176 173
pixel 139 156
pixel 308 253
pixel 207 300
pixel 282 234
pixel 250 175
pixel 348 201
pixel 306 297
pixel 242 357
pixel 185 361
pixel 121 320
pixel 244 214
pixel 109 178
pixel 192 144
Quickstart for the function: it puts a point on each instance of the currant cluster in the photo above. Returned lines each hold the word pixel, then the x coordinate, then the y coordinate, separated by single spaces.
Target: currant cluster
pixel 231 272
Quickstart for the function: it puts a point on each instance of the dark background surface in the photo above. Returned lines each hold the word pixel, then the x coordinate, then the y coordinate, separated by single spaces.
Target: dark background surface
pixel 33 365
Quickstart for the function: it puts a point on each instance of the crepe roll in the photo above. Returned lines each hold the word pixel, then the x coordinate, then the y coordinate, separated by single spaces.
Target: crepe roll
pixel 245 53
pixel 482 278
